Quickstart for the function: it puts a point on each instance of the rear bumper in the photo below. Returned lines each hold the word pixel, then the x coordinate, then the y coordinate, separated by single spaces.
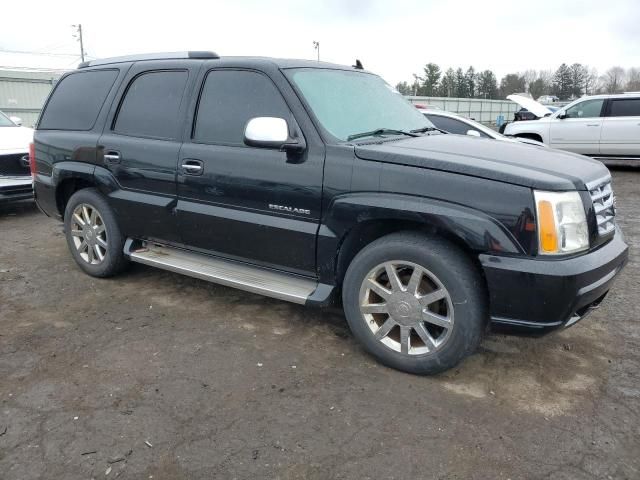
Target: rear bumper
pixel 13 189
pixel 536 296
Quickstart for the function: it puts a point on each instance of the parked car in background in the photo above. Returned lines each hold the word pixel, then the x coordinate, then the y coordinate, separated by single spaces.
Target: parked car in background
pixel 15 175
pixel 459 125
pixel 606 127
pixel 315 183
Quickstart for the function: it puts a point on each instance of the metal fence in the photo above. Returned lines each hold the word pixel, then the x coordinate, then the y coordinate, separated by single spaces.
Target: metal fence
pixel 23 93
pixel 485 111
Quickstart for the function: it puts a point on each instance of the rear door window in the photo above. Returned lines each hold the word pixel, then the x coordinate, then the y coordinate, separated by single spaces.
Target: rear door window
pixel 229 99
pixel 151 105
pixel 625 108
pixel 77 100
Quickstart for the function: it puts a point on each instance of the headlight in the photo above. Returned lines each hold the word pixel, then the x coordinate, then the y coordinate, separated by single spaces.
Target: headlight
pixel 562 223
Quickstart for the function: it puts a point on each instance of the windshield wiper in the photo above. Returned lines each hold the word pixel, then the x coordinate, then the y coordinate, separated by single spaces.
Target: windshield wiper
pixel 382 131
pixel 427 129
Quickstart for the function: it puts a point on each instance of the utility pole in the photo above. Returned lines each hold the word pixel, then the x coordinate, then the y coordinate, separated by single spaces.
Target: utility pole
pixel 316 46
pixel 78 35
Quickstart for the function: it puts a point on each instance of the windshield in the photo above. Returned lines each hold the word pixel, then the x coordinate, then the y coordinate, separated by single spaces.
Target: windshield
pixel 5 122
pixel 349 103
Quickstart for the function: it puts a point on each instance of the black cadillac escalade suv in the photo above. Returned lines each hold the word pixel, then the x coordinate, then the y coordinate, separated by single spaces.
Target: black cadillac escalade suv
pixel 318 184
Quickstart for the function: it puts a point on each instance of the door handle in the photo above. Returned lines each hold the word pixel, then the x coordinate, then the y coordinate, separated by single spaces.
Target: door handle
pixel 593 124
pixel 191 166
pixel 112 157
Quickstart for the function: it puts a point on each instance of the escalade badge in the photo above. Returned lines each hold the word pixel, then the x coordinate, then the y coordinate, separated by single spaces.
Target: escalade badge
pixel 285 208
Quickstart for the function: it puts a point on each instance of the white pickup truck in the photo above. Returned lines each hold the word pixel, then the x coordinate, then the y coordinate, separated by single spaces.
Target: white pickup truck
pixel 606 127
pixel 15 175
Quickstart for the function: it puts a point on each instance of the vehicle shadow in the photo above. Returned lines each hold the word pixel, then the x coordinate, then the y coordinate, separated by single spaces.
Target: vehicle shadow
pixel 24 207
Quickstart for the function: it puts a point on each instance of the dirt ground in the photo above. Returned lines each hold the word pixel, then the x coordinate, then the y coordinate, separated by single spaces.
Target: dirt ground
pixel 156 375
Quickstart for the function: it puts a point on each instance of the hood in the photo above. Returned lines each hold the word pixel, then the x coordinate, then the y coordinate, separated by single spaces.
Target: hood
pixel 15 139
pixel 530 104
pixel 511 162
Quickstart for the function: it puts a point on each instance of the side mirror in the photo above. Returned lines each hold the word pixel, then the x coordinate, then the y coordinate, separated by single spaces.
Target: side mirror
pixel 16 120
pixel 270 132
pixel 562 115
pixel 473 133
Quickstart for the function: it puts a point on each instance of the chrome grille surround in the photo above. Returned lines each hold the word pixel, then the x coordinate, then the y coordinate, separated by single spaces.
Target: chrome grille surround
pixel 603 205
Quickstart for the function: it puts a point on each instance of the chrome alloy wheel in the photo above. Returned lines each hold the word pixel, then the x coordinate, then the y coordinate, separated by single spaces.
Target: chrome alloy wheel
pixel 406 307
pixel 89 234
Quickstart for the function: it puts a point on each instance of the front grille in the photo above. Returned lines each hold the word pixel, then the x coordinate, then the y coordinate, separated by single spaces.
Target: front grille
pixel 603 206
pixel 14 164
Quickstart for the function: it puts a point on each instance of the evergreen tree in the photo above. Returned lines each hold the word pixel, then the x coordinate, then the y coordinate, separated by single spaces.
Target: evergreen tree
pixel 470 78
pixel 461 84
pixel 432 75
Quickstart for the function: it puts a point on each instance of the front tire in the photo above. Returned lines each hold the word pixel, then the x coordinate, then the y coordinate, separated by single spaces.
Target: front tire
pixel 417 303
pixel 93 235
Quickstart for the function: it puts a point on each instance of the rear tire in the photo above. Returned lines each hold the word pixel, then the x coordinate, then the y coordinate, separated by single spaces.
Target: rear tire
pixel 93 235
pixel 417 303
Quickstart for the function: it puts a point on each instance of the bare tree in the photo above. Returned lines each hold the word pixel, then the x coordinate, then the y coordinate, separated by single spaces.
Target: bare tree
pixel 591 81
pixel 613 80
pixel 633 80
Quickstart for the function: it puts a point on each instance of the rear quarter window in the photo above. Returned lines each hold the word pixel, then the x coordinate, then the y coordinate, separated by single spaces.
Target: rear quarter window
pixel 628 107
pixel 76 100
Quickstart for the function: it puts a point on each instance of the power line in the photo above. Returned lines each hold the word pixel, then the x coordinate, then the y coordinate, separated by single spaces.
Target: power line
pixel 46 54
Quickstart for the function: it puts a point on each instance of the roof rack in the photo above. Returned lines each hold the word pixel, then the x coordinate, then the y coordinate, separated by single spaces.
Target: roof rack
pixel 631 93
pixel 151 56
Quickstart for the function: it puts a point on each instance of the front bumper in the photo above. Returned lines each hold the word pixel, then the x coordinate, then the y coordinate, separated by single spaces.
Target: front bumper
pixel 539 295
pixel 13 189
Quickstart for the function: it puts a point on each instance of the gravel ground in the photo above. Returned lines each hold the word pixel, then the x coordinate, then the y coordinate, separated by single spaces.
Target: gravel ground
pixel 155 375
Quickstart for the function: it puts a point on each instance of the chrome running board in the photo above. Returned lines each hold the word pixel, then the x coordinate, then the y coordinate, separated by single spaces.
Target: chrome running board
pixel 291 288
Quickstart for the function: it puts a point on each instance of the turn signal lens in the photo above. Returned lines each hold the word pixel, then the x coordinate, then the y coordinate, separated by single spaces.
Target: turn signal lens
pixel 547 234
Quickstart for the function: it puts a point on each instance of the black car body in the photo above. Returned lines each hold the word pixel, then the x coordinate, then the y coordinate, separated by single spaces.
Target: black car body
pixel 307 208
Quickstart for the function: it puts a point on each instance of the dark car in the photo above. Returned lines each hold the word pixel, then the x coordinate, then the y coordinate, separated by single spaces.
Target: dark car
pixel 317 184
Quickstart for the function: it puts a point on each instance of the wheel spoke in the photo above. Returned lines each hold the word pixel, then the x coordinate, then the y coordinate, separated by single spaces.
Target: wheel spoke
pixel 374 308
pixel 101 243
pixel 79 220
pixel 90 254
pixel 83 245
pixel 92 218
pixel 384 330
pixel 405 339
pixel 431 297
pixel 436 319
pixel 379 289
pixel 77 233
pixel 394 280
pixel 425 337
pixel 414 281
pixel 100 229
pixel 85 214
pixel 98 253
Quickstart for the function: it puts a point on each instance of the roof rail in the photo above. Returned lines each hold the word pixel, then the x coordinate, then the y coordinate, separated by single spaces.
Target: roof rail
pixel 151 56
pixel 631 93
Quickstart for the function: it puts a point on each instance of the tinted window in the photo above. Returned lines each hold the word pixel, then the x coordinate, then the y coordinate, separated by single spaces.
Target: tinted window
pixel 77 99
pixel 625 108
pixel 586 109
pixel 230 98
pixel 151 105
pixel 452 125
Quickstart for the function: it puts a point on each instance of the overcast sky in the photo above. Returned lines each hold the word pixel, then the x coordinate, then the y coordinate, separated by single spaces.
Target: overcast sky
pixel 392 38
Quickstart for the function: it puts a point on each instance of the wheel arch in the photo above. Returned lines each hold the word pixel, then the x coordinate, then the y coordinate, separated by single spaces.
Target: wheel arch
pixel 376 215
